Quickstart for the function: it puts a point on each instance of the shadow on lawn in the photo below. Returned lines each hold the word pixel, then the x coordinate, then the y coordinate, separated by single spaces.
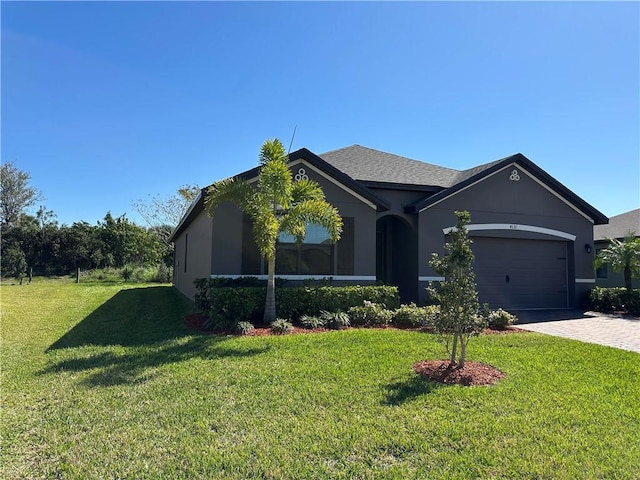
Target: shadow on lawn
pixel 136 316
pixel 149 322
pixel 137 364
pixel 401 392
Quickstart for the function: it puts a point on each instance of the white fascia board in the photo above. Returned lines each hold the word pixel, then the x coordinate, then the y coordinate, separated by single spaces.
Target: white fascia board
pixel 512 165
pixel 327 177
pixel 430 279
pixel 514 227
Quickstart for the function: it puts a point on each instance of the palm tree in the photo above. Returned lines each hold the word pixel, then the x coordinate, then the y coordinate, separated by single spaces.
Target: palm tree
pixel 622 255
pixel 276 204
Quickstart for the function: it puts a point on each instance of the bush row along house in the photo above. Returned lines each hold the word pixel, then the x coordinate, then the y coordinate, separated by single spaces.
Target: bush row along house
pixel 532 237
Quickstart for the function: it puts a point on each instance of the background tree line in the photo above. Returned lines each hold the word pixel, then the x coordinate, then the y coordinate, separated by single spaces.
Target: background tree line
pixel 39 244
pixel 50 249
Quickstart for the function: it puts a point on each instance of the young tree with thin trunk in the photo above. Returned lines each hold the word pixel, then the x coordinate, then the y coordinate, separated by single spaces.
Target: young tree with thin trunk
pixel 276 204
pixel 459 317
pixel 164 214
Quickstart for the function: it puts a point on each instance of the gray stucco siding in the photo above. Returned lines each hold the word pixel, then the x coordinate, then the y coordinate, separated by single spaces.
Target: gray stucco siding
pixel 227 237
pixel 226 242
pixel 195 241
pixel 500 200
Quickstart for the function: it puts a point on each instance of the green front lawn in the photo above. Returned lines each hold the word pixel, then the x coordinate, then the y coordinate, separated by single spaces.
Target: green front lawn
pixel 103 381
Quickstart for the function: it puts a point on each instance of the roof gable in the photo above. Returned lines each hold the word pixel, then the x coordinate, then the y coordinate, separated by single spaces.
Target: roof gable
pixel 327 170
pixel 475 175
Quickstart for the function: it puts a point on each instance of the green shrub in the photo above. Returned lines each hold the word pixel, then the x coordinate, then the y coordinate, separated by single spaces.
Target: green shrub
pixel 499 319
pixel 281 326
pixel 247 303
pixel 127 273
pixel 243 328
pixel 335 320
pixel 311 321
pixel 370 314
pixel 237 304
pixel 412 316
pixel 163 274
pixel 615 299
pixel 217 322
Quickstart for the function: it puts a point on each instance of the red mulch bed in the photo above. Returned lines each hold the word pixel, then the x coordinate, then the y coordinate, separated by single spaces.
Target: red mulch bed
pixel 196 321
pixel 473 373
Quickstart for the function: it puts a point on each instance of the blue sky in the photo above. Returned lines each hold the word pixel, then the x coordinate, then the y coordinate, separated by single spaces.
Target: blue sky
pixel 105 103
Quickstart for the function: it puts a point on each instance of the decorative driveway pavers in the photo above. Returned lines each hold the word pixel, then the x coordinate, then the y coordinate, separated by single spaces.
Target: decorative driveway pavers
pixel 610 330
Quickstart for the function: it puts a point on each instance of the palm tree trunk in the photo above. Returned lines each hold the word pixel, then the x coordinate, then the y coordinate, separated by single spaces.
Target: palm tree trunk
pixel 627 277
pixel 270 301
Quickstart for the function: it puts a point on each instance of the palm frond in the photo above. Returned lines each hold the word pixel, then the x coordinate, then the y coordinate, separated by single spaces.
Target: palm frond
pixel 620 254
pixel 232 189
pixel 265 233
pixel 312 211
pixel 275 183
pixel 306 190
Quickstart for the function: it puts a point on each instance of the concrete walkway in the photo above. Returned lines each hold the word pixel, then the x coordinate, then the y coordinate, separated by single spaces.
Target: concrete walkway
pixel 618 331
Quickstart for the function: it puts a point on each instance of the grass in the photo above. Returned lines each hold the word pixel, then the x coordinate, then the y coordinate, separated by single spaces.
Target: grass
pixel 103 381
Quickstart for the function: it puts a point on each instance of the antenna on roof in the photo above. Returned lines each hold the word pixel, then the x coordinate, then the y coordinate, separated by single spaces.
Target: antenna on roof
pixel 292 137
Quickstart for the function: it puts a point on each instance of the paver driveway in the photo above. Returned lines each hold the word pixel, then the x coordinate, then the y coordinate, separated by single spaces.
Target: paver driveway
pixel 611 330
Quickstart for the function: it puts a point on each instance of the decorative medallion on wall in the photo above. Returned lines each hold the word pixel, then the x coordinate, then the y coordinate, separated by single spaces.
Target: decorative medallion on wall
pixel 301 175
pixel 514 177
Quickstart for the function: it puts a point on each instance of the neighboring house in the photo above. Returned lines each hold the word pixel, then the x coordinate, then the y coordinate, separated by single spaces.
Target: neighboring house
pixel 619 227
pixel 532 237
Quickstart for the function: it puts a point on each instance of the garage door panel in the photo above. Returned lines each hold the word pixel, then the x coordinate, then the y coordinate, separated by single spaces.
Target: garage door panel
pixel 519 274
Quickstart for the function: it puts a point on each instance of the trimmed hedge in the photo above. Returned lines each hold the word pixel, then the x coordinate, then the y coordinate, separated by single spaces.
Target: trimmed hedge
pixel 617 299
pixel 231 304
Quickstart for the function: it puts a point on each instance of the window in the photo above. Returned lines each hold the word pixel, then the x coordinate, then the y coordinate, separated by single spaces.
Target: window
pixel 603 271
pixel 315 256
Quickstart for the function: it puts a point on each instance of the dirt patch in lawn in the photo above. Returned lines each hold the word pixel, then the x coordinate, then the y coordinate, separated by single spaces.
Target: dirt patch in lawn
pixel 473 373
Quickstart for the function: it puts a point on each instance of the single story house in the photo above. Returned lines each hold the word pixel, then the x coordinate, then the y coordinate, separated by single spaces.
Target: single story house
pixel 619 227
pixel 532 237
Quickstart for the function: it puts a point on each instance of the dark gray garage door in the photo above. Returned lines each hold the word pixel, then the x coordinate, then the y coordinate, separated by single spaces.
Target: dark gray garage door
pixel 521 274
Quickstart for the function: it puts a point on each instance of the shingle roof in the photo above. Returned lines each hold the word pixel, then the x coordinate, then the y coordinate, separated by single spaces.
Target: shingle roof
pixel 619 226
pixel 466 174
pixel 369 165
